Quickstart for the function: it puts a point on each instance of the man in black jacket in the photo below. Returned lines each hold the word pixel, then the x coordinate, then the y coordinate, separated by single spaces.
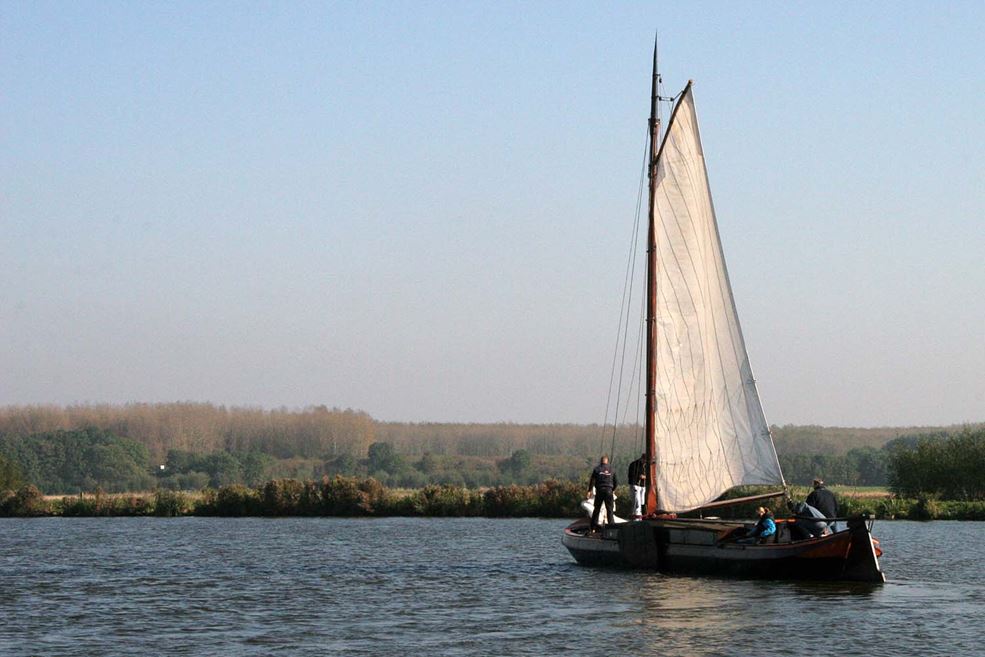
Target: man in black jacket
pixel 603 479
pixel 824 501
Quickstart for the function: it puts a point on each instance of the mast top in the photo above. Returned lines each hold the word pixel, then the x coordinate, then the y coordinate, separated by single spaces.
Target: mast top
pixel 654 91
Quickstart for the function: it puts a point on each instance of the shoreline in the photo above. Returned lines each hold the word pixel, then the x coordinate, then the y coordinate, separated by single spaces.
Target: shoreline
pixel 355 497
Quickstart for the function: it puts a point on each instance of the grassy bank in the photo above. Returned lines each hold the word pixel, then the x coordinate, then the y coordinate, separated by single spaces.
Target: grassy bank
pixel 339 496
pixel 350 496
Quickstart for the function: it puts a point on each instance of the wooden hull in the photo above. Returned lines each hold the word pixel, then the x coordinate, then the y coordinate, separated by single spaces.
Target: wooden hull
pixel 696 547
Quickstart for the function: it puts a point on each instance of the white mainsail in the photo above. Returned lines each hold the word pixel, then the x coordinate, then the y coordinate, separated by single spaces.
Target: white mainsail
pixel 711 433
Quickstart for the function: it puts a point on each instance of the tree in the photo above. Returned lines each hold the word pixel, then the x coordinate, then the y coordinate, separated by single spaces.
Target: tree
pixel 84 459
pixel 10 476
pixel 223 469
pixel 179 461
pixel 254 467
pixel 517 465
pixel 382 457
pixel 428 463
pixel 950 468
pixel 868 466
pixel 342 464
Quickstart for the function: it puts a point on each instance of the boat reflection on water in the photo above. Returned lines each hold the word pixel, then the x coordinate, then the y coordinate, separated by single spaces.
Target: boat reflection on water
pixel 704 616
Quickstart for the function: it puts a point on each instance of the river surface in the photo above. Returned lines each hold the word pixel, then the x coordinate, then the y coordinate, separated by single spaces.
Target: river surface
pixel 398 586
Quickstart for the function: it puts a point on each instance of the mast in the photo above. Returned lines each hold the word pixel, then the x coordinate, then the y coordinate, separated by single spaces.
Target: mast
pixel 652 503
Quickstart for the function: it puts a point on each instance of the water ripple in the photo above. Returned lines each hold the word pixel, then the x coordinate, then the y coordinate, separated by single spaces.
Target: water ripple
pixel 207 586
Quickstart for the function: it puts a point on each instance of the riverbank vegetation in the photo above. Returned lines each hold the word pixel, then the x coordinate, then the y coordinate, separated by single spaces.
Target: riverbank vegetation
pixel 190 447
pixel 945 467
pixel 336 496
pixel 341 496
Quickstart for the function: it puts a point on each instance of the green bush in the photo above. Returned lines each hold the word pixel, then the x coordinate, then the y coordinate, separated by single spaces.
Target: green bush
pixel 289 497
pixel 893 508
pixel 170 504
pixel 26 502
pixel 83 507
pixel 562 499
pixel 6 495
pixel 926 508
pixel 435 500
pixel 508 501
pixel 944 467
pixel 234 500
pixel 341 497
pixel 348 496
pixel 963 510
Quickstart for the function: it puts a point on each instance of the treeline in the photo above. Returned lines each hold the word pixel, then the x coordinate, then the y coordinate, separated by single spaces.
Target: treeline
pixel 314 432
pixel 70 461
pixel 863 466
pixel 350 496
pixel 116 448
pixel 948 467
pixel 205 428
pixel 387 465
pixel 325 433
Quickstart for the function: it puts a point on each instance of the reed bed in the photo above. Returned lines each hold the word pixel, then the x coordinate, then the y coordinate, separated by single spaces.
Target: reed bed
pixel 365 497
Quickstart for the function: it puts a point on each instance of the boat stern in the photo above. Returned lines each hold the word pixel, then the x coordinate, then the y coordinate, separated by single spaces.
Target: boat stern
pixel 862 562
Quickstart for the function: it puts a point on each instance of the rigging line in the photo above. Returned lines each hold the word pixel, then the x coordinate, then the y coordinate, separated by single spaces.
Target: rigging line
pixel 623 305
pixel 622 363
pixel 631 278
pixel 637 377
pixel 636 368
pixel 633 381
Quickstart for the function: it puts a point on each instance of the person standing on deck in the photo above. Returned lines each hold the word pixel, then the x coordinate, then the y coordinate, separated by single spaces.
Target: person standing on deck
pixel 824 501
pixel 603 479
pixel 637 482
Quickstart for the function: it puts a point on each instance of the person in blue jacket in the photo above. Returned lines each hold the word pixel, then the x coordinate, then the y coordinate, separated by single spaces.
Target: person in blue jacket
pixel 764 527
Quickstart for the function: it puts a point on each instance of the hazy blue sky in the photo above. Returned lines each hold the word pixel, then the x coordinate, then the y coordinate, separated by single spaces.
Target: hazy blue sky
pixel 422 210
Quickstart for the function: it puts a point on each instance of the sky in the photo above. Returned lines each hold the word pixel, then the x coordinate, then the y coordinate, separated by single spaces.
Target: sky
pixel 423 210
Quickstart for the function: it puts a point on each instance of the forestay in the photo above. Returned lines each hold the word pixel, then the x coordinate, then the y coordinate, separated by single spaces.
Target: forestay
pixel 711 433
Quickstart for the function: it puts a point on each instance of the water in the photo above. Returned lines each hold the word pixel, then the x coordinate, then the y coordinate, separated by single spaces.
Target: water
pixel 321 586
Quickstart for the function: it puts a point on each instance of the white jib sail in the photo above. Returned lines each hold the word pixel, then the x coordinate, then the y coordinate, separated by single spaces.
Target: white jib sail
pixel 711 433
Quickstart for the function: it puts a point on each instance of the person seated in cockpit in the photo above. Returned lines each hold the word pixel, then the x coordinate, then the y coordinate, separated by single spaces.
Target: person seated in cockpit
pixel 765 526
pixel 808 523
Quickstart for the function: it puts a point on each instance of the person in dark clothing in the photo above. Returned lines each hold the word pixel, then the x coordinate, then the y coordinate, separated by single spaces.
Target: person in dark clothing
pixel 637 483
pixel 603 479
pixel 809 522
pixel 824 501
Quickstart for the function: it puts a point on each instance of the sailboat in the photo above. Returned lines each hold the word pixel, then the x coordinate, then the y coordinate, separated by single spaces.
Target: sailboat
pixel 704 426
